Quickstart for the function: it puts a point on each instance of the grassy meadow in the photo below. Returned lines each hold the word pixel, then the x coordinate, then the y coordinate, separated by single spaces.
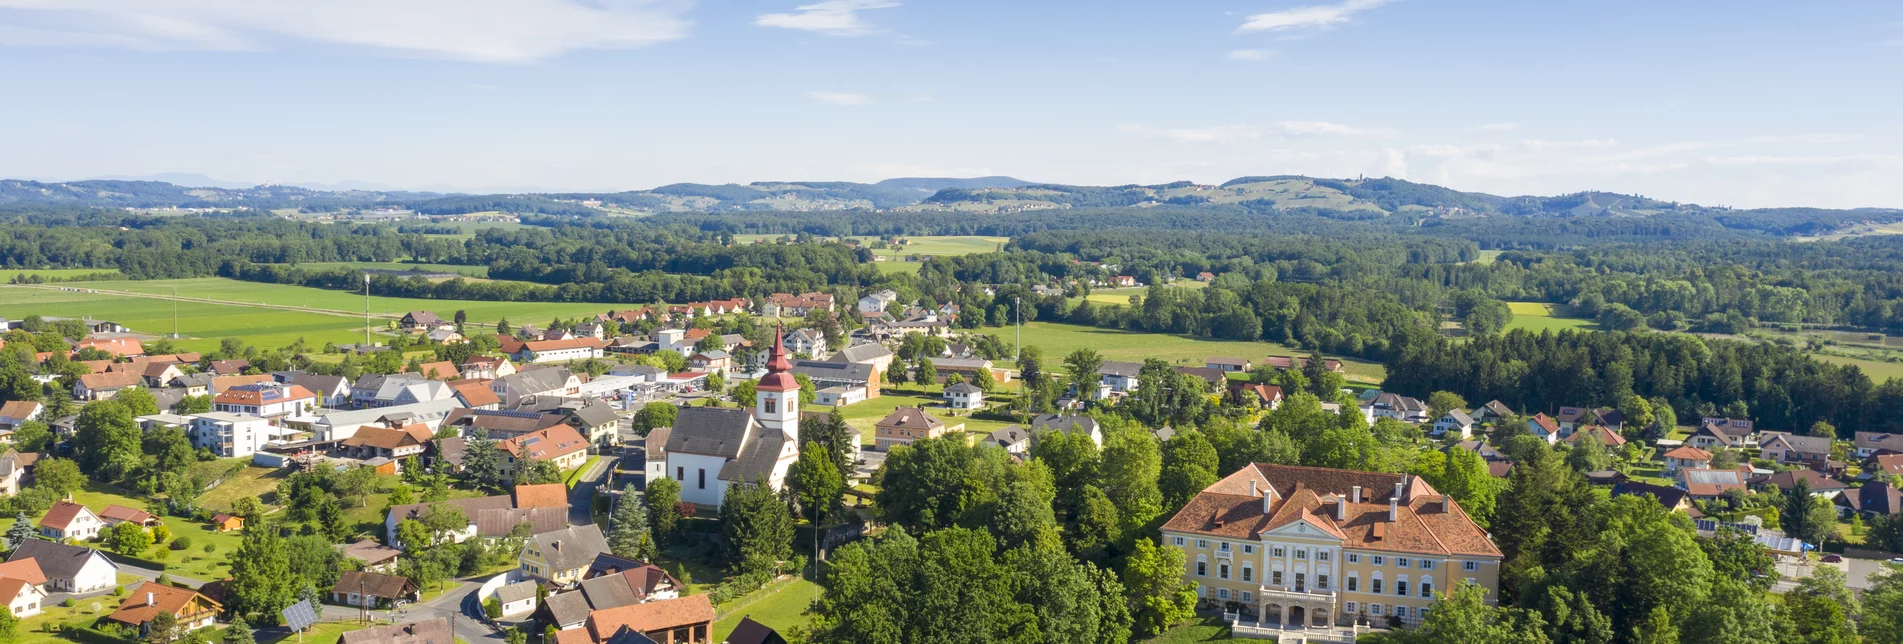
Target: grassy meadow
pixel 1540 316
pixel 1059 339
pixel 927 245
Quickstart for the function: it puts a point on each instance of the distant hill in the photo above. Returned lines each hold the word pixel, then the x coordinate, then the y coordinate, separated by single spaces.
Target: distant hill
pixel 929 185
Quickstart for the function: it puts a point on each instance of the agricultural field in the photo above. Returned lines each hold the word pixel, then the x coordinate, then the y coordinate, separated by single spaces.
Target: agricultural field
pixel 781 605
pixel 1058 339
pixel 1877 370
pixel 7 274
pixel 1121 296
pixel 1540 316
pixel 929 245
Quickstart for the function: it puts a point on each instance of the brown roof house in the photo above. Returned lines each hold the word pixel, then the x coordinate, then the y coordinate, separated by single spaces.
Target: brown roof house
pixel 372 441
pixel 907 424
pixel 1709 484
pixel 149 599
pixel 1313 546
pixel 70 521
pixel 434 631
pixel 372 590
pixel 1686 457
pixel 667 621
pixel 117 514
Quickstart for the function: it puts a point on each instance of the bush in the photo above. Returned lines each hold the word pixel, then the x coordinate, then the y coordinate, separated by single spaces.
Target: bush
pixel 118 591
pixel 738 586
pixel 183 543
pixel 492 607
pixel 209 547
pixel 69 603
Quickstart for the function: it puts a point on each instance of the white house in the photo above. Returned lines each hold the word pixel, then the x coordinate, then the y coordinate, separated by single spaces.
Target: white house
pixel 270 400
pixel 964 395
pixel 711 448
pixel 877 301
pixel 24 598
pixel 231 435
pixel 517 598
pixel 840 396
pixel 70 521
pixel 1455 421
pixel 67 568
pixel 1120 377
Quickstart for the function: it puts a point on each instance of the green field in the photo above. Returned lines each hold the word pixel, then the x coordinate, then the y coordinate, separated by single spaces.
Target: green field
pixel 1121 296
pixel 1204 630
pixel 1540 316
pixel 781 606
pixel 8 273
pixel 863 416
pixel 1877 370
pixel 929 245
pixel 1059 339
pixel 471 271
pixel 334 315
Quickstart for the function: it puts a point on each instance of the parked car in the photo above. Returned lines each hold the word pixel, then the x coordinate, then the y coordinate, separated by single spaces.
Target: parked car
pixel 1833 559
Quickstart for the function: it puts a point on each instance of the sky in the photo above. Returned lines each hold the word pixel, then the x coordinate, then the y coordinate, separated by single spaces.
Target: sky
pixel 1746 103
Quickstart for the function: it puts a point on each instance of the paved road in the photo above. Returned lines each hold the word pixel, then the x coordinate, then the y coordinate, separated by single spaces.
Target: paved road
pixel 582 498
pixel 459 602
pixel 142 573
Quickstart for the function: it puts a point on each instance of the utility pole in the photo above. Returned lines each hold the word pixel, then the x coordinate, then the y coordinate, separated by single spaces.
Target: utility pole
pixel 175 334
pixel 1017 306
pixel 366 309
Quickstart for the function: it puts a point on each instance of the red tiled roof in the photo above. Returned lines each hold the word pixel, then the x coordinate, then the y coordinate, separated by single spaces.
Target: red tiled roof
pixel 171 599
pixel 62 514
pixel 1689 453
pixel 1607 437
pixel 475 393
pixel 123 513
pixel 443 370
pixel 386 438
pixel 660 615
pixel 114 346
pixel 18 408
pixel 1546 422
pixel 1890 463
pixel 545 444
pixel 553 345
pixel 1424 523
pixel 547 495
pixel 25 569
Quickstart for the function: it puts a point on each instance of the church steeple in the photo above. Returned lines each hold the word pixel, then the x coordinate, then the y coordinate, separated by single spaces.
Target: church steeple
pixel 778 392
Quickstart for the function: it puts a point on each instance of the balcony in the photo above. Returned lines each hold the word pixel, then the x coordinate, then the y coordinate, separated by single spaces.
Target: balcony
pixel 1296 594
pixel 1225 554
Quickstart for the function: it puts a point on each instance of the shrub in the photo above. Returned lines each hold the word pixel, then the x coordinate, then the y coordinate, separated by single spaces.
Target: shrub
pixel 69 603
pixel 182 543
pixel 118 591
pixel 492 607
pixel 209 547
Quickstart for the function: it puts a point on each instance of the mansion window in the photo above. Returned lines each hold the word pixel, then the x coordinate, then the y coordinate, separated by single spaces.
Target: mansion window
pixel 1178 541
pixel 1469 566
pixel 1400 587
pixel 1376 586
pixel 1301 553
pixel 1427 564
pixel 1248 573
pixel 1202 543
pixel 1248 549
pixel 1276 552
pixel 1354 558
pixel 770 404
pixel 1400 611
pixel 1321 555
pixel 1400 561
pixel 1427 588
pixel 1248 597
pixel 1224 546
pixel 1380 560
pixel 1354 584
pixel 1222 593
pixel 1301 580
pixel 1353 607
pixel 1202 568
pixel 1275 577
pixel 1374 609
pixel 1321 581
pixel 1222 570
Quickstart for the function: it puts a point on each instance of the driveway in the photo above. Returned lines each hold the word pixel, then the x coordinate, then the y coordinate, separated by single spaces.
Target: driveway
pixel 457 605
pixel 581 498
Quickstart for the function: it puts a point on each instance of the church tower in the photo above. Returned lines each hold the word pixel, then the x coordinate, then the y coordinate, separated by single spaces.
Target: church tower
pixel 777 404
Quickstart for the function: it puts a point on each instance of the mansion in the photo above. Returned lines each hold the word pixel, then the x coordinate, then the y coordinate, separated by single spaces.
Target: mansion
pixel 1307 546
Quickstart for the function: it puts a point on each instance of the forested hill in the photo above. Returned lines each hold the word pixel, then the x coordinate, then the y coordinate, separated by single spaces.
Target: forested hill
pixel 1403 202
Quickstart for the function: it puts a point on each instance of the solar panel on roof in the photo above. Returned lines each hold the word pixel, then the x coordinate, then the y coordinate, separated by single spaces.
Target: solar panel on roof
pixel 508 414
pixel 299 616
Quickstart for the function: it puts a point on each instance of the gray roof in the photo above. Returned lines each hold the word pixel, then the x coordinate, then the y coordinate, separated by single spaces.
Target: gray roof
pixel 568 608
pixel 963 388
pixel 711 431
pixel 595 414
pixel 1399 402
pixel 834 371
pixel 57 560
pixel 169 397
pixel 756 462
pixel 1066 424
pixel 470 507
pixel 1164 433
pixel 434 409
pixel 1007 436
pixel 1461 417
pixel 322 385
pixel 499 522
pixel 434 631
pixel 572 547
pixel 516 592
pixel 536 380
pixel 866 352
pixel 962 364
pixel 611 591
pixel 716 354
pixel 195 379
pixel 1803 444
pixel 1125 369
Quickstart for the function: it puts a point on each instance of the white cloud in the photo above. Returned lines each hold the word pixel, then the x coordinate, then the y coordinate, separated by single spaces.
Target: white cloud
pixel 1250 54
pixel 1497 127
pixel 1324 128
pixel 1223 134
pixel 1754 160
pixel 830 17
pixel 1307 17
pixel 840 98
pixel 1539 144
pixel 497 31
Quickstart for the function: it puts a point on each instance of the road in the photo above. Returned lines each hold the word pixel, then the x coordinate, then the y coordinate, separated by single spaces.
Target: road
pixel 581 498
pixel 459 602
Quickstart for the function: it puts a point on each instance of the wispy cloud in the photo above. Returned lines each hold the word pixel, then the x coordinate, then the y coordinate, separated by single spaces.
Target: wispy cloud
pixel 831 17
pixel 1496 127
pixel 1250 54
pixel 840 98
pixel 1225 134
pixel 497 31
pixel 1309 17
pixel 1541 144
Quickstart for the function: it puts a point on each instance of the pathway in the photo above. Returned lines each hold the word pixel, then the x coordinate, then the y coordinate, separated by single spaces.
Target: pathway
pixel 581 498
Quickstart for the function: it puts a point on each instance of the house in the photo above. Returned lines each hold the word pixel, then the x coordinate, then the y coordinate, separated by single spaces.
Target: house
pixel 336 425
pixel 1313 546
pixel 965 396
pixel 1873 499
pixel 1205 276
pixel 1285 363
pixel 839 396
pixel 561 445
pixel 907 424
pixel 15 413
pixel 1215 379
pixel 715 360
pixel 150 599
pixel 100 386
pixel 1820 485
pixel 430 631
pixel 867 353
pixel 1607 438
pixel 232 435
pixel 752 632
pixel 665 621
pixel 609 582
pixel 1686 457
pixel 372 590
pixel 560 557
pixel 1228 365
pixel 1707 484
pixel 1608 417
pixel 498 424
pixel 543 507
pixel 67 568
pixel 475 394
pixel 14 468
pixel 229 367
pixel 487 368
pixel 396 390
pixel 117 346
pixel 439 370
pixel 737 446
pixel 558 382
pixel 1067 424
pixel 372 556
pixel 518 598
pixel 1123 281
pixel 552 350
pixel 860 378
pixel 24 597
pixel 446 336
pixel 117 514
pixel 654 453
pixel 597 421
pixel 591 330
pixel 1866 443
pixel 384 442
pixel 1012 438
pixel 1570 417
pixel 1457 421
pixel 1265 396
pixel 222 522
pixel 796 306
pixel 422 321
pixel 1885 464
pixel 1810 451
pixel 269 400
pixel 877 301
pixel 1544 427
pixel 331 391
pixel 1480 447
pixel 1722 432
pixel 69 521
pixel 1120 377
pixel 1672 498
pixel 220 383
pixel 1406 409
pixel 807 342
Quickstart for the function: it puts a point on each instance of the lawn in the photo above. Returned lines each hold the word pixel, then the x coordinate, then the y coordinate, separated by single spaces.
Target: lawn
pixel 863 416
pixel 1059 339
pixel 192 562
pixel 1205 630
pixel 1540 316
pixel 781 605
pixel 257 482
pixel 1876 369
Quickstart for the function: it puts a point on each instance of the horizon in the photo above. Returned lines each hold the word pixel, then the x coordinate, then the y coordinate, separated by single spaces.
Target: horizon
pixel 1766 104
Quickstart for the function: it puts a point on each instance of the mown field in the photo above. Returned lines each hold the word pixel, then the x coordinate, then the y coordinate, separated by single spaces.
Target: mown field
pixel 1121 296
pixel 863 416
pixel 929 245
pixel 471 271
pixel 1540 316
pixel 7 274
pixel 1059 339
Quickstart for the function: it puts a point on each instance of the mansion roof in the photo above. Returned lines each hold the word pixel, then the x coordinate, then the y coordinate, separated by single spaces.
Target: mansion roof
pixel 1426 521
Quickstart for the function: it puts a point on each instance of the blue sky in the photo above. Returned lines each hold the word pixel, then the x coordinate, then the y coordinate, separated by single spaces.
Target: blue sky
pixel 1759 104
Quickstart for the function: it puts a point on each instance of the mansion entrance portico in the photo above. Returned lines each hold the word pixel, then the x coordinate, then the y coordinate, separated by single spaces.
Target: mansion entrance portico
pixel 1296 607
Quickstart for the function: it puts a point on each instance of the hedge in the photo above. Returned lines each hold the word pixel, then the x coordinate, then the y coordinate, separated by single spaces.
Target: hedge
pixel 93 636
pixel 133 561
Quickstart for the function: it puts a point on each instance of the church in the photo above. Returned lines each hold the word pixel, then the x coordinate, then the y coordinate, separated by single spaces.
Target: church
pixel 712 447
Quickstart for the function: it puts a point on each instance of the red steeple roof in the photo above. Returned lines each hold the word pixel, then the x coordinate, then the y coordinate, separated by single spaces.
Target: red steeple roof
pixel 778 367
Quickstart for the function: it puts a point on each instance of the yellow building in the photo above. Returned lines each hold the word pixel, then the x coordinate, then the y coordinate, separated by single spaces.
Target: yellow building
pixel 1307 546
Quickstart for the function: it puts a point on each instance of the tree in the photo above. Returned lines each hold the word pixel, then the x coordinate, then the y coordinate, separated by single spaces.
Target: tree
pixel 9 627
pixel 662 414
pixel 536 471
pixel 503 328
pixel 1732 613
pixel 480 459
pixel 871 592
pixel 1094 526
pixel 261 579
pixel 137 400
pixel 1189 465
pixel 925 486
pixel 1464 616
pixel 1883 607
pixel 816 481
pixel 308 593
pixel 1031 366
pixel 927 374
pixel 1823 429
pixel 1821 606
pixel 1159 597
pixel 107 440
pixel 715 382
pixel 663 499
pixel 1132 461
pixel 628 534
pixel 1805 516
pixel 128 538
pixel 1024 512
pixel 984 381
pixel 1588 453
pixel 163 629
pixel 1736 555
pixel 1085 367
pixel 59 476
pixel 1441 402
pixel 1073 602
pixel 757 527
pixel 21 531
pixel 1464 476
pixel 33 436
pixel 238 632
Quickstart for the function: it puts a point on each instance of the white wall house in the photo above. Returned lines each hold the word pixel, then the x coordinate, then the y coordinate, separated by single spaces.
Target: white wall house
pixel 231 435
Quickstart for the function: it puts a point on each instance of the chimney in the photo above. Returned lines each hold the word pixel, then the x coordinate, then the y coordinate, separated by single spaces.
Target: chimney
pixel 1265 502
pixel 1341 509
pixel 1357 495
pixel 1446 503
pixel 1251 487
pixel 151 599
pixel 1394 502
pixel 557 545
